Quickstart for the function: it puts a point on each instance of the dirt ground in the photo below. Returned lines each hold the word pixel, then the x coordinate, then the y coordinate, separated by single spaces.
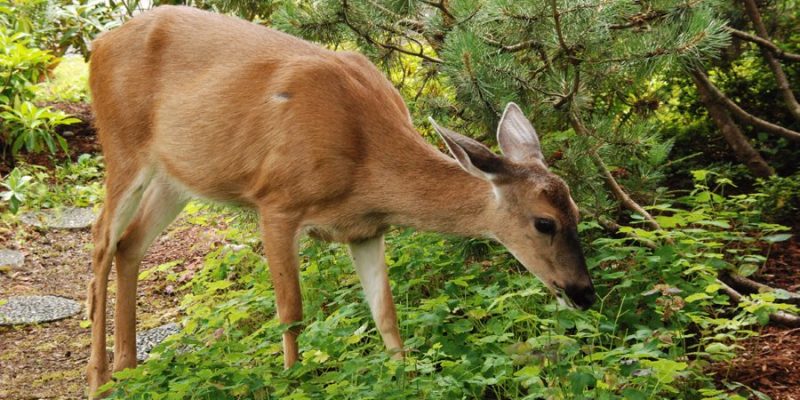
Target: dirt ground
pixel 770 362
pixel 47 361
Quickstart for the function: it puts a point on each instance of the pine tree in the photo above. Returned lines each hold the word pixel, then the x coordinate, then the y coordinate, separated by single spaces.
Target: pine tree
pixel 576 67
pixel 579 68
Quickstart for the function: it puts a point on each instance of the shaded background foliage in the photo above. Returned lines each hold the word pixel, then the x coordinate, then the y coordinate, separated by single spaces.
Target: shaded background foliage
pixel 614 88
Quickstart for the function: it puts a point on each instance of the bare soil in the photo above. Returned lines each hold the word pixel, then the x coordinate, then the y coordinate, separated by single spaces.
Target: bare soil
pixel 47 361
pixel 770 362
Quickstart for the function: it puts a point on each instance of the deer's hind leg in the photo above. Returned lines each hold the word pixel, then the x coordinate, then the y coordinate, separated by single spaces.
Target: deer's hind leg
pixel 124 189
pixel 161 203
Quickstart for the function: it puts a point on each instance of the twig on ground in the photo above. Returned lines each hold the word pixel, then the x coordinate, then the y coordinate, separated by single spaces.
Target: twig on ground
pixel 780 317
pixel 745 284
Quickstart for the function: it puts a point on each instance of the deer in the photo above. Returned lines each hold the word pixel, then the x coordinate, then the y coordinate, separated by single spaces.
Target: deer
pixel 318 142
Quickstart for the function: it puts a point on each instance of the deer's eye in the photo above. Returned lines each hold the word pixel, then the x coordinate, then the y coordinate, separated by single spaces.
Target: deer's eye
pixel 545 225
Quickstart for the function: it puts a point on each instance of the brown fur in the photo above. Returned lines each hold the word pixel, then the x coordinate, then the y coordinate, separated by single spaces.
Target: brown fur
pixel 190 103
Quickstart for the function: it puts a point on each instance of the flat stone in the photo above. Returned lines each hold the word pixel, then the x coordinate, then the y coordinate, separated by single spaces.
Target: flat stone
pixel 11 258
pixel 65 218
pixel 149 339
pixel 35 309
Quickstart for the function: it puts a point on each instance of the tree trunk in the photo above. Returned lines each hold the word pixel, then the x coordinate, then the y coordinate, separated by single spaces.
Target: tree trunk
pixel 774 64
pixel 730 131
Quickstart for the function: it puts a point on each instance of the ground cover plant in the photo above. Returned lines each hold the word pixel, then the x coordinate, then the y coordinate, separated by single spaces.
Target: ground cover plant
pixel 688 204
pixel 476 325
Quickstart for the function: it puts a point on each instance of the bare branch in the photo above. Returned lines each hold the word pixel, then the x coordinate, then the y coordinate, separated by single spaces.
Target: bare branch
pixel 740 113
pixel 387 46
pixel 780 317
pixel 442 6
pixel 612 183
pixel 512 48
pixel 614 227
pixel 559 33
pixel 741 147
pixel 765 44
pixel 783 82
pixel 749 285
pixel 639 20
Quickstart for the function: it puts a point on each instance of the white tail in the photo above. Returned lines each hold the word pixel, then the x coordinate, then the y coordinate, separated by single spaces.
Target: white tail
pixel 190 103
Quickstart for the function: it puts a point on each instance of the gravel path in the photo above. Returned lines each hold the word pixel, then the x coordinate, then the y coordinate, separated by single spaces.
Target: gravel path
pixel 66 218
pixel 35 309
pixel 147 340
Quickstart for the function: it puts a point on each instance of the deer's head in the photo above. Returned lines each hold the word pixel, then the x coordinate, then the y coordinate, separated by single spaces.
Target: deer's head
pixel 532 212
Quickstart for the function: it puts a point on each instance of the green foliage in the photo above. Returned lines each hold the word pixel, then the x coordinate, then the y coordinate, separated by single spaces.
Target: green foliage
pixel 781 200
pixel 77 184
pixel 58 25
pixel 26 125
pixel 16 185
pixel 69 82
pixel 21 64
pixel 475 324
pixel 24 25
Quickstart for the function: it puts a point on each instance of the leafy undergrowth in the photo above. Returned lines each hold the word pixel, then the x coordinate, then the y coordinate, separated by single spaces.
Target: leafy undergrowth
pixel 475 324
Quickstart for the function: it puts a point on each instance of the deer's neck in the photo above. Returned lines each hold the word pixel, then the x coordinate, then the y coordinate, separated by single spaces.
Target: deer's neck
pixel 433 193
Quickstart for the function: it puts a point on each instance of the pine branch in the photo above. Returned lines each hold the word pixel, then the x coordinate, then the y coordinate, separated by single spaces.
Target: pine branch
pixel 765 44
pixel 525 83
pixel 741 114
pixel 612 183
pixel 442 6
pixel 638 20
pixel 513 48
pixel 559 33
pixel 524 45
pixel 474 80
pixel 576 83
pixel 783 83
pixel 369 39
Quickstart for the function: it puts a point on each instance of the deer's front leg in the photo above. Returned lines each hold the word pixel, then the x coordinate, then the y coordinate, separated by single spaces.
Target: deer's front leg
pixel 368 257
pixel 280 246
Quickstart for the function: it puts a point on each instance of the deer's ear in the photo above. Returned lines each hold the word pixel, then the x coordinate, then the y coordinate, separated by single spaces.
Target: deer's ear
pixel 517 137
pixel 473 156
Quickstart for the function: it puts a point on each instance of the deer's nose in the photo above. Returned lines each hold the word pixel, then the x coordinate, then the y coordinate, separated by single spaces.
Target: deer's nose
pixel 582 295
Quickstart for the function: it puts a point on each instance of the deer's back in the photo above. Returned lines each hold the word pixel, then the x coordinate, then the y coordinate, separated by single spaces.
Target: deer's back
pixel 235 111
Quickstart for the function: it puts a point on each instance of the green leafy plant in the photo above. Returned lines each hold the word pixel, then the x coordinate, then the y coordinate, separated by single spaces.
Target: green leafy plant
pixel 60 25
pixel 16 185
pixel 21 64
pixel 68 82
pixel 73 183
pixel 476 324
pixel 33 128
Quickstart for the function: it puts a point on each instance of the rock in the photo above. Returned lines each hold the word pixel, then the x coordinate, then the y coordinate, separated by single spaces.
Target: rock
pixel 35 309
pixel 11 258
pixel 66 218
pixel 147 340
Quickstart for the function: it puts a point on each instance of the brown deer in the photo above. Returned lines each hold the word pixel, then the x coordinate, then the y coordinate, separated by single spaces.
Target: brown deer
pixel 190 103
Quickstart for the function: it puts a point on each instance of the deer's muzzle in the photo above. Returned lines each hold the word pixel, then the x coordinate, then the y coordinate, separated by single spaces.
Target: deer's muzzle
pixel 582 296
